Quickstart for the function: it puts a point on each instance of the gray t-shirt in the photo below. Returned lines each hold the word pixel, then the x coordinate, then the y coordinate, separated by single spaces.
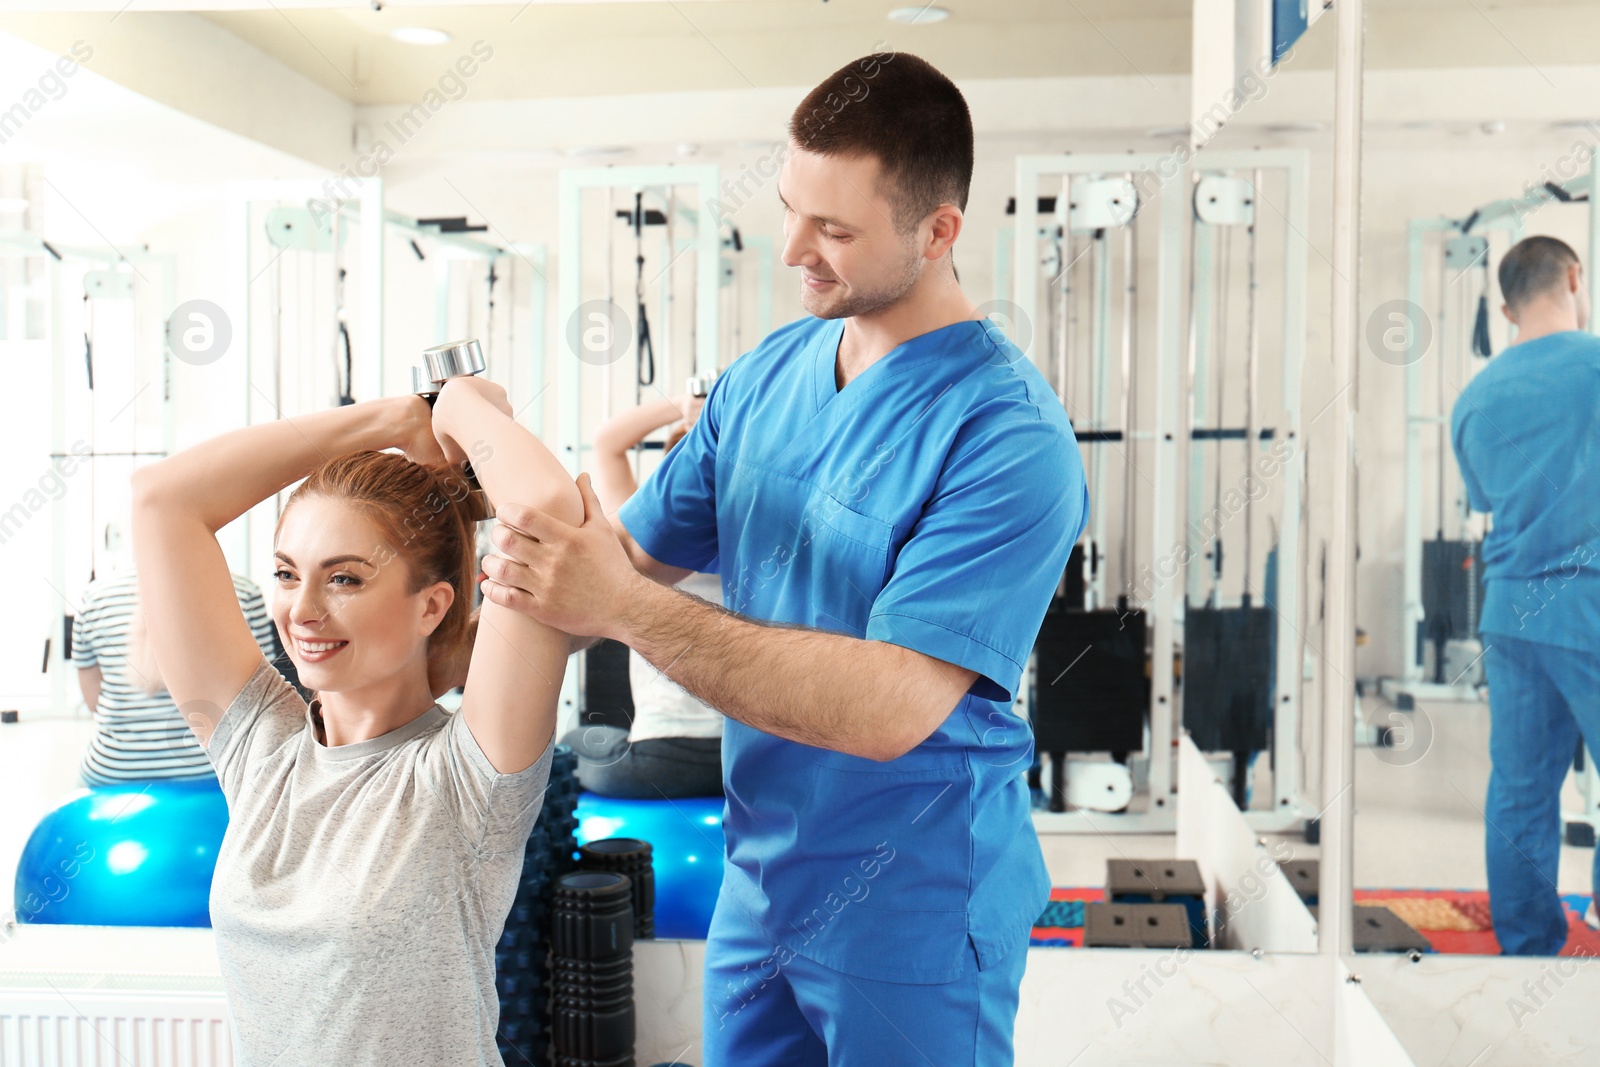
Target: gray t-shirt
pixel 360 890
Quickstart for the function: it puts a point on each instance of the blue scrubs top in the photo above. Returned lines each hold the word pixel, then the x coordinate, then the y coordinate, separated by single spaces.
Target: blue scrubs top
pixel 1527 437
pixel 932 504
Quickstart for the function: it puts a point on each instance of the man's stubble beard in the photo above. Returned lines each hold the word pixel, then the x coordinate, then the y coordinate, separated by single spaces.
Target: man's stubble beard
pixel 864 303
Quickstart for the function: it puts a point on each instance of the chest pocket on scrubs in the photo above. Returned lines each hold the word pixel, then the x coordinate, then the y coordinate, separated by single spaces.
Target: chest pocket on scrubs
pixel 850 563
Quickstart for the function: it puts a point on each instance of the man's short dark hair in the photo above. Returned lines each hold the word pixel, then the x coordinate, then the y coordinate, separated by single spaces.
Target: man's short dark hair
pixel 1534 267
pixel 901 110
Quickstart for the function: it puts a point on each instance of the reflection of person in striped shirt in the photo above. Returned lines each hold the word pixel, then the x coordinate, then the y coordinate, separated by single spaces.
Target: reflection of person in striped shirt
pixel 138 733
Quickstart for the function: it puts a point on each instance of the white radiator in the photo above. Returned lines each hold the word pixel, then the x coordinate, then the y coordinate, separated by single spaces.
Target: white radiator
pixel 111 997
pixel 81 1023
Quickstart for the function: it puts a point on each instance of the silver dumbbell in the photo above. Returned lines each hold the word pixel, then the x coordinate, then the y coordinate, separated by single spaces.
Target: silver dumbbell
pixel 454 359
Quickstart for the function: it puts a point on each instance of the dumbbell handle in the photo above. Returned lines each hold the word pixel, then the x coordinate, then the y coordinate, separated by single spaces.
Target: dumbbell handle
pixel 454 359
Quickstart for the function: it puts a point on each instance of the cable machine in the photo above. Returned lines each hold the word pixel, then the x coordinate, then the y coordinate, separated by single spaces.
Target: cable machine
pixel 605 691
pixel 1104 641
pixel 1442 576
pixel 107 318
pixel 652 204
pixel 1242 652
pixel 1113 726
pixel 1079 277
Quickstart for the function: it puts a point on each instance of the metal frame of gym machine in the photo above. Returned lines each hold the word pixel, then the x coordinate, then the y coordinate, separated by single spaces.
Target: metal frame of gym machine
pixel 98 283
pixel 1161 816
pixel 1506 214
pixel 1581 828
pixel 659 181
pixel 1405 690
pixel 367 354
pixel 1290 808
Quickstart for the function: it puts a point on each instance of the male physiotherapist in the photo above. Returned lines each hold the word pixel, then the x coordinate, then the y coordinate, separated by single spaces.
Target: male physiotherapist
pixel 889 490
pixel 1527 437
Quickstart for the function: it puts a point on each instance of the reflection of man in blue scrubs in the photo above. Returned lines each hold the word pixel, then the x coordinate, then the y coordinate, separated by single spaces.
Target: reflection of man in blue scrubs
pixel 1527 436
pixel 892 490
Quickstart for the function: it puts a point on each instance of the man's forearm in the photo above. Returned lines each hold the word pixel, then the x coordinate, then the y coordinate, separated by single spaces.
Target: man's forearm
pixel 827 690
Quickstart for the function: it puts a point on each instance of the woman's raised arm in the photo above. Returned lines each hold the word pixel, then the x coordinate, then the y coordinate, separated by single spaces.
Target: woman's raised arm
pixel 197 630
pixel 514 680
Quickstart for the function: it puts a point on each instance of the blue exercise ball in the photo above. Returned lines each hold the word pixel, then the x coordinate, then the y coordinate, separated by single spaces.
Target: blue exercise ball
pixel 686 850
pixel 126 855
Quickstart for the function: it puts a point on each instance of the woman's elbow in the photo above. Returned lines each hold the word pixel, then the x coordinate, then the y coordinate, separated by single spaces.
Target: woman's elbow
pixel 146 487
pixel 158 497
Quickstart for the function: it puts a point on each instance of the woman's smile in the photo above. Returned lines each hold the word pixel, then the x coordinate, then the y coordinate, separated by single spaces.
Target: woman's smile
pixel 317 651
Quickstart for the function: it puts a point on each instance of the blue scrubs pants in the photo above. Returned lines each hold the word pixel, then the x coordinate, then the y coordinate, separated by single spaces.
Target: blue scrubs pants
pixel 1540 698
pixel 759 1013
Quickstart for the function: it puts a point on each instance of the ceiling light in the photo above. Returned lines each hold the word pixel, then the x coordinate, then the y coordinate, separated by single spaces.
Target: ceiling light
pixel 419 35
pixel 594 151
pixel 13 205
pixel 919 16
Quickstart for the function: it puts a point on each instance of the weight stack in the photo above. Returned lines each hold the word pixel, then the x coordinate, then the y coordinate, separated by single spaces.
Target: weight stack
pixel 629 856
pixel 1091 691
pixel 592 1015
pixel 1229 672
pixel 522 958
pixel 1452 597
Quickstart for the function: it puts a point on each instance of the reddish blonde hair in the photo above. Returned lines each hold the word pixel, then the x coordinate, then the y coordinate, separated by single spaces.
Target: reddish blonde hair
pixel 423 512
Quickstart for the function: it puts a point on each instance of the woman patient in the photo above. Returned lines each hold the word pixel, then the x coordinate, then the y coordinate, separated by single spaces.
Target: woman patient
pixel 375 842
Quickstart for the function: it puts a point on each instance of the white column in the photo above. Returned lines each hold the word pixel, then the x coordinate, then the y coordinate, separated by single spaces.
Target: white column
pixel 1338 722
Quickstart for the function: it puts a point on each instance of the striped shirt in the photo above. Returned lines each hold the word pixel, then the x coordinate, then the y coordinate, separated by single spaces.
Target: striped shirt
pixel 137 736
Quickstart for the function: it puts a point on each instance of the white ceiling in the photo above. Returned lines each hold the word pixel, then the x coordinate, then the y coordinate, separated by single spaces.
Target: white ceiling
pixel 712 77
pixel 581 48
pixel 550 50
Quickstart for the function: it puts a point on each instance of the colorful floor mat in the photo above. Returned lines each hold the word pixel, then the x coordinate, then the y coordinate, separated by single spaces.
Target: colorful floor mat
pixel 1455 921
pixel 1061 925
